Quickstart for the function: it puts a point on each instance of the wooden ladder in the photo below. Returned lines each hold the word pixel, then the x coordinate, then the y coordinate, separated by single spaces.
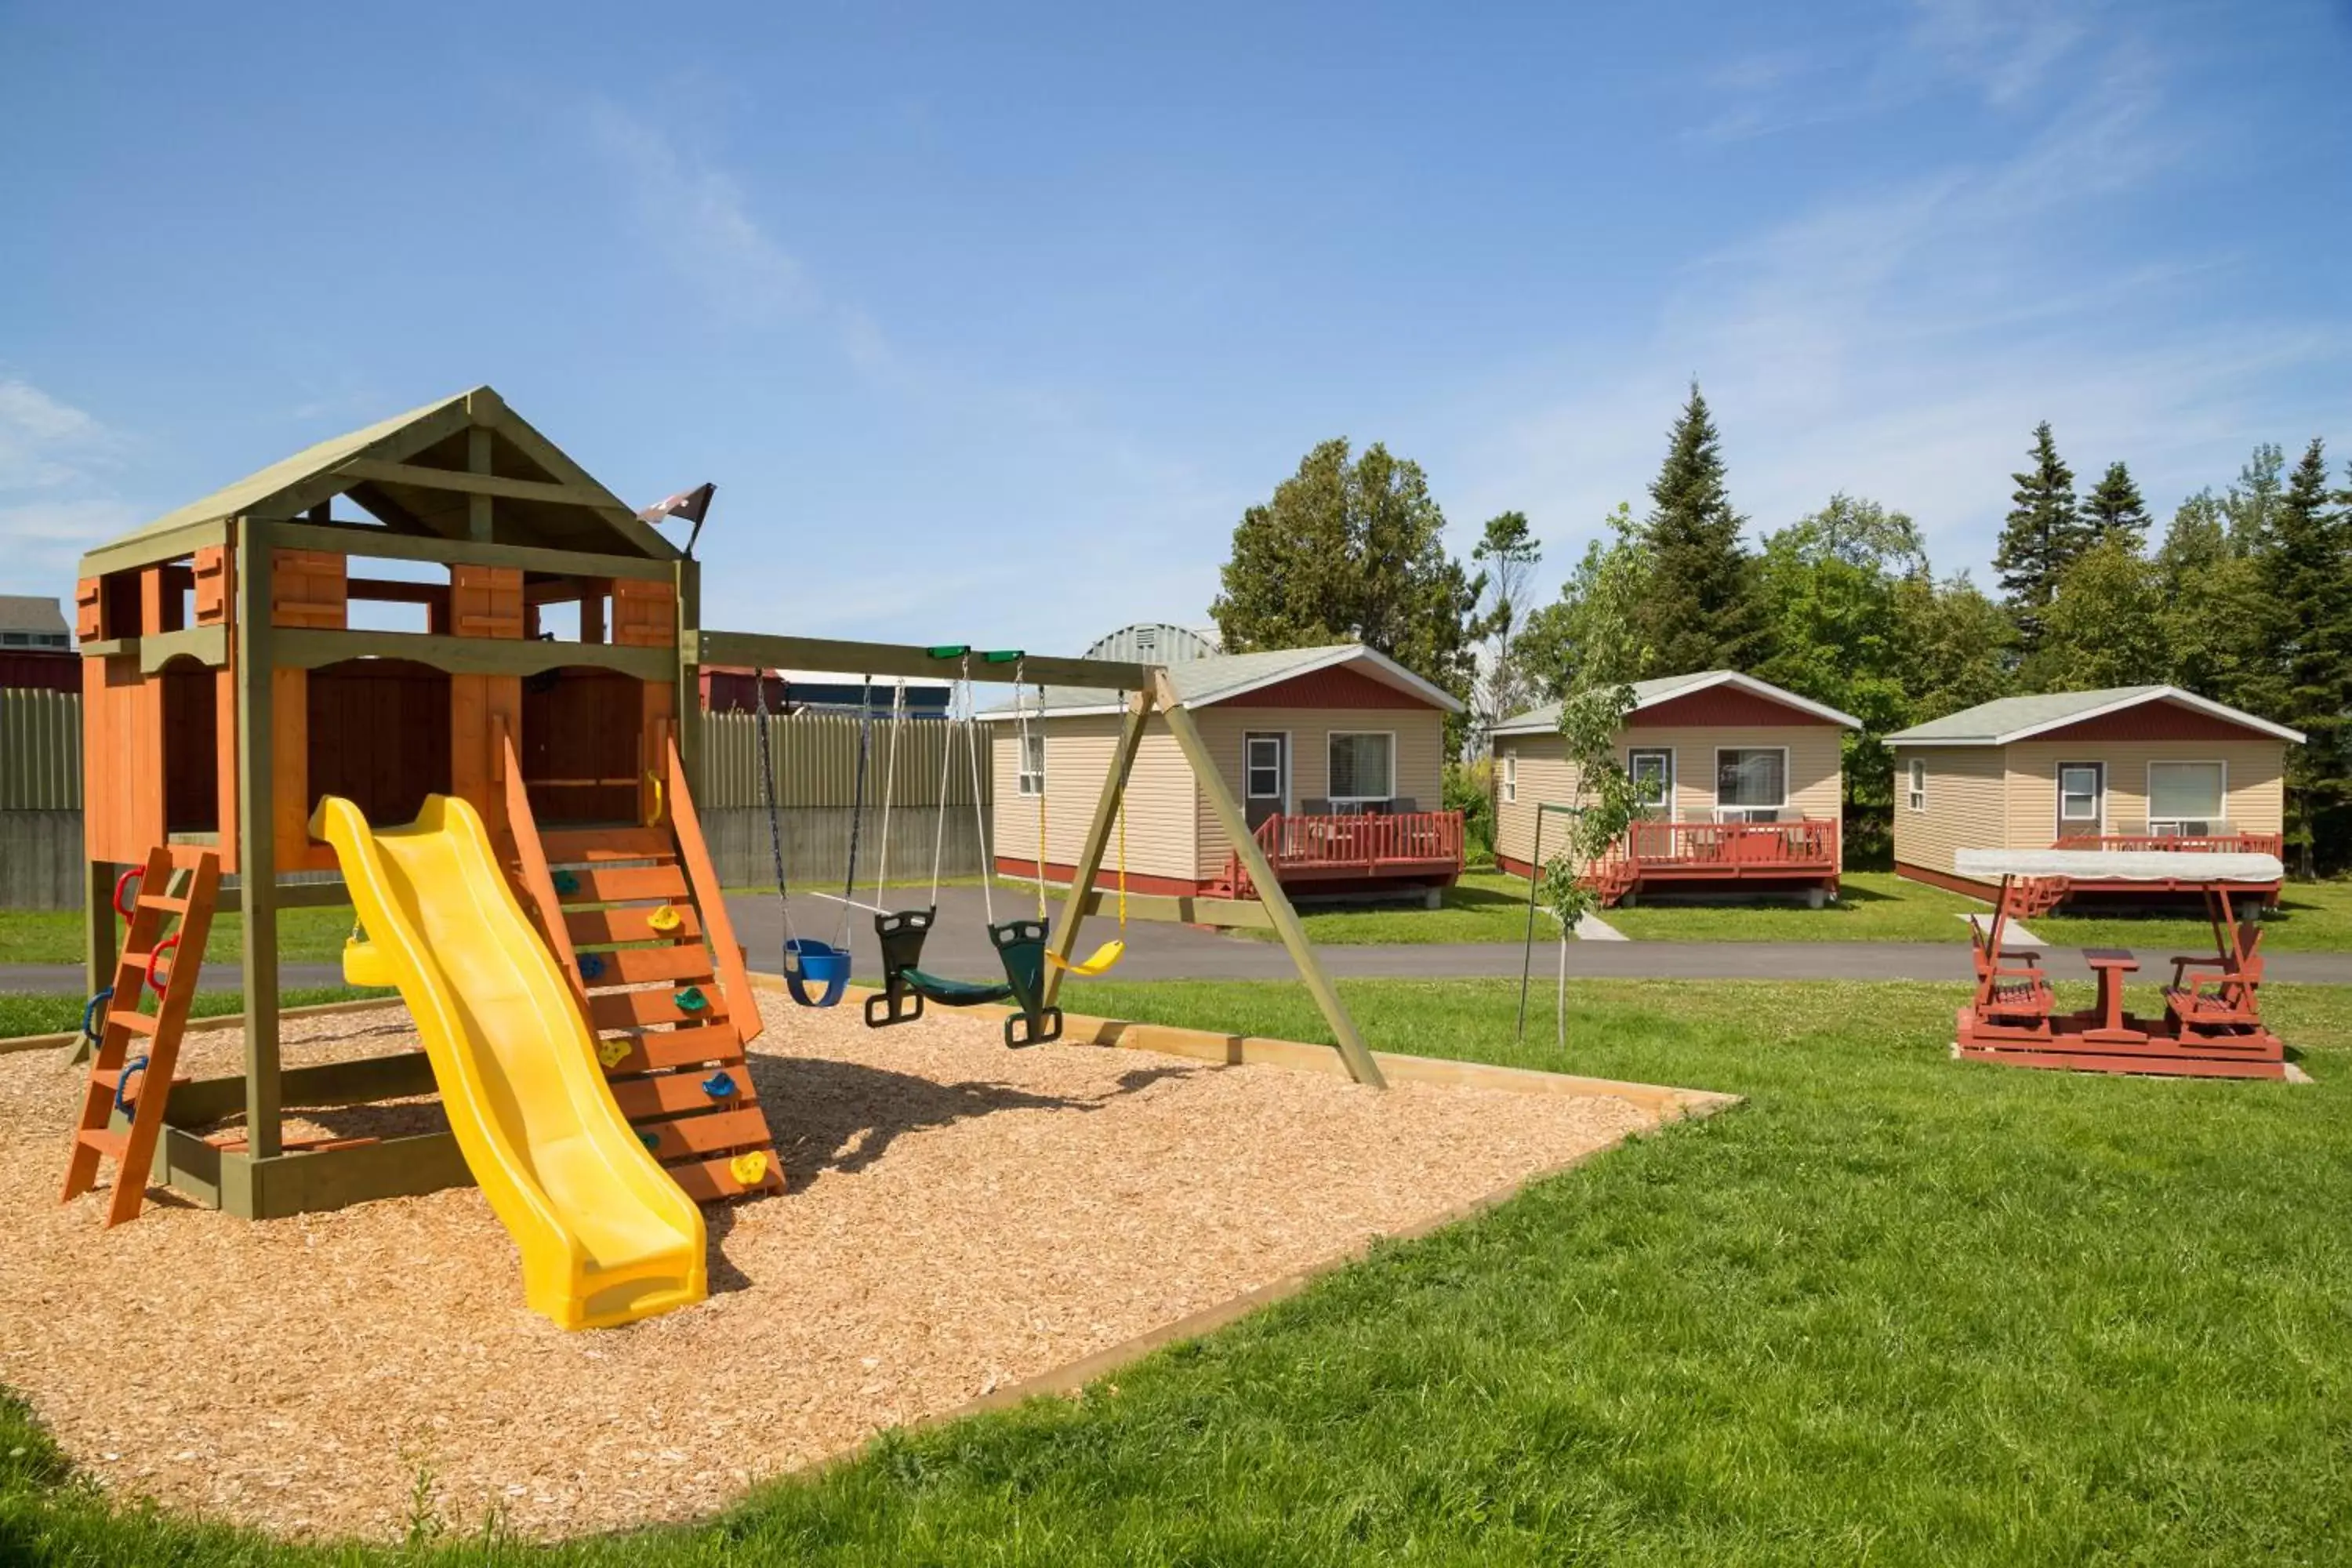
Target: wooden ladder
pixel 141 1085
pixel 636 918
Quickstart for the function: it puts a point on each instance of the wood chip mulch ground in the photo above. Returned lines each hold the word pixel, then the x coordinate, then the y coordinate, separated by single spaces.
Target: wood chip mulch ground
pixel 960 1217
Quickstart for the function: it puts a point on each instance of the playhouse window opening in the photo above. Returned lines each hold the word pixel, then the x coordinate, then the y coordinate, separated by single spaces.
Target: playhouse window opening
pixel 558 608
pixel 385 594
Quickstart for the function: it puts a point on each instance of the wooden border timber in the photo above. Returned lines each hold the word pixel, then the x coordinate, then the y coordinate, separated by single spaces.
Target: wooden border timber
pixel 382 544
pixel 1299 1055
pixel 1071 1377
pixel 758 650
pixel 309 648
pixel 1252 855
pixel 1076 905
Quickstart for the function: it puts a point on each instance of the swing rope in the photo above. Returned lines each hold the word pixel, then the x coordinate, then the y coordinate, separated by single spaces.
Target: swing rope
pixel 978 819
pixel 1021 711
pixel 856 806
pixel 775 828
pixel 889 788
pixel 939 818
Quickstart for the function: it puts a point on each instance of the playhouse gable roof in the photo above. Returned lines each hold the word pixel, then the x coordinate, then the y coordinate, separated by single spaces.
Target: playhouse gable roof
pixel 2008 719
pixel 393 470
pixel 1545 720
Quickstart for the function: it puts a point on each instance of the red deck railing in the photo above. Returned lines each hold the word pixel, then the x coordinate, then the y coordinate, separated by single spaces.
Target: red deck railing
pixel 1706 851
pixel 2214 843
pixel 1425 845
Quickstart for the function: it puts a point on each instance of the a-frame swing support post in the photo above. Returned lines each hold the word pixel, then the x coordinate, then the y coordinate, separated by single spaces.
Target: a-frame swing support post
pixel 1230 817
pixel 1090 855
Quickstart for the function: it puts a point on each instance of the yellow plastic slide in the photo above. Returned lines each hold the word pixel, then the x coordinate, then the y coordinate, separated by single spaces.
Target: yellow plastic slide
pixel 607 1237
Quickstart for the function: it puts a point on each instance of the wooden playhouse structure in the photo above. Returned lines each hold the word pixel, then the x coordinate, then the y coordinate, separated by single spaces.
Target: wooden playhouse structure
pixel 227 689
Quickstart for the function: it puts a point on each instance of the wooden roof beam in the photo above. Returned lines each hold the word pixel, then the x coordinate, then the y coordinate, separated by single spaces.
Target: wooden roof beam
pixel 471 484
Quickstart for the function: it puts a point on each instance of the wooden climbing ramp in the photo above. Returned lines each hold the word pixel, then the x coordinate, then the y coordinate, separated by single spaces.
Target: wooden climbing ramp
pixel 637 919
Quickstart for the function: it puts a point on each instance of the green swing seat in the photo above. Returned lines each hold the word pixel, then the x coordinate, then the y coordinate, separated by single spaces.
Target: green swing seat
pixel 906 986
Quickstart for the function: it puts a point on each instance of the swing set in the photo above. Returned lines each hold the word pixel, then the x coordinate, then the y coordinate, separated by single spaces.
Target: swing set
pixel 816 971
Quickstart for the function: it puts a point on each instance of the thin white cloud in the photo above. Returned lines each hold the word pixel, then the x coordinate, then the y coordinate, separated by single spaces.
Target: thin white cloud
pixel 1901 342
pixel 55 498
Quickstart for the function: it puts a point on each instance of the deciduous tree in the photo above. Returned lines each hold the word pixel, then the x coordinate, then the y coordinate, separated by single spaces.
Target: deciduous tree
pixel 1352 550
pixel 1587 636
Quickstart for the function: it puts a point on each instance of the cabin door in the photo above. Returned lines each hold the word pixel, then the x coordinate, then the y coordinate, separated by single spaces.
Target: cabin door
pixel 1265 767
pixel 2081 799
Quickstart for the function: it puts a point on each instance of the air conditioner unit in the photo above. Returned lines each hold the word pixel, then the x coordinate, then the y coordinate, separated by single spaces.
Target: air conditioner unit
pixel 2186 828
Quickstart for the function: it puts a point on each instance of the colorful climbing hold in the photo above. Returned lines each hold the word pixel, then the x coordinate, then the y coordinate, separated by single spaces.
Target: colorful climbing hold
pixel 664 918
pixel 566 882
pixel 652 1144
pixel 592 965
pixel 692 999
pixel 613 1053
pixel 748 1170
pixel 719 1085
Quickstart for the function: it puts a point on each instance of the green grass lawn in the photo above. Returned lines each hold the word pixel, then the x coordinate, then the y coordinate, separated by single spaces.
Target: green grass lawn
pixel 1492 906
pixel 1895 1308
pixel 45 1015
pixel 2312 917
pixel 55 936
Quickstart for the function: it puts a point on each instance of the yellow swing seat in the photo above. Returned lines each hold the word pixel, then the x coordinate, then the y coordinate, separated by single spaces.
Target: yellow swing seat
pixel 1095 963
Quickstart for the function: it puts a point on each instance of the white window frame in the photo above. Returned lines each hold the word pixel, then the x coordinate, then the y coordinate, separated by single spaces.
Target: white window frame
pixel 1511 775
pixel 1027 782
pixel 1286 765
pixel 1358 800
pixel 1666 801
pixel 1716 784
pixel 2072 824
pixel 1916 784
pixel 2148 788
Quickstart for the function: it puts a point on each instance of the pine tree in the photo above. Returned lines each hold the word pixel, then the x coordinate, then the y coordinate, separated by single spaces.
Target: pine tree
pixel 2309 578
pixel 2042 538
pixel 2115 507
pixel 1698 611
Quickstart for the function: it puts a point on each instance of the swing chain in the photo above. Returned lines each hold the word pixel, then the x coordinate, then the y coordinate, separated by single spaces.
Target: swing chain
pixel 775 828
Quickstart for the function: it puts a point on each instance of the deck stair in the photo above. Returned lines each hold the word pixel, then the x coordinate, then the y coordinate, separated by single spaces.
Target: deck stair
pixel 138 1051
pixel 636 918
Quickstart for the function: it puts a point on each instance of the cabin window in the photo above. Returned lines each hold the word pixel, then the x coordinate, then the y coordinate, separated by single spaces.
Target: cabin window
pixel 2079 789
pixel 1652 775
pixel 1363 768
pixel 1032 778
pixel 2186 797
pixel 1264 762
pixel 1918 784
pixel 1510 778
pixel 1751 782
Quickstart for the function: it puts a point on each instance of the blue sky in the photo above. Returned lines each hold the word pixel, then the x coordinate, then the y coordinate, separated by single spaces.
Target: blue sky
pixel 989 329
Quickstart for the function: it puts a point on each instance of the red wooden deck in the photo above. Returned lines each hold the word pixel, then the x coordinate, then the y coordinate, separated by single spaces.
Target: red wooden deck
pixel 1659 855
pixel 1325 854
pixel 2272 843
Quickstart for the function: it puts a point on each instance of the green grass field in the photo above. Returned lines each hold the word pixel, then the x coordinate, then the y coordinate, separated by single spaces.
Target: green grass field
pixel 1895 1308
pixel 48 1015
pixel 1872 905
pixel 55 936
